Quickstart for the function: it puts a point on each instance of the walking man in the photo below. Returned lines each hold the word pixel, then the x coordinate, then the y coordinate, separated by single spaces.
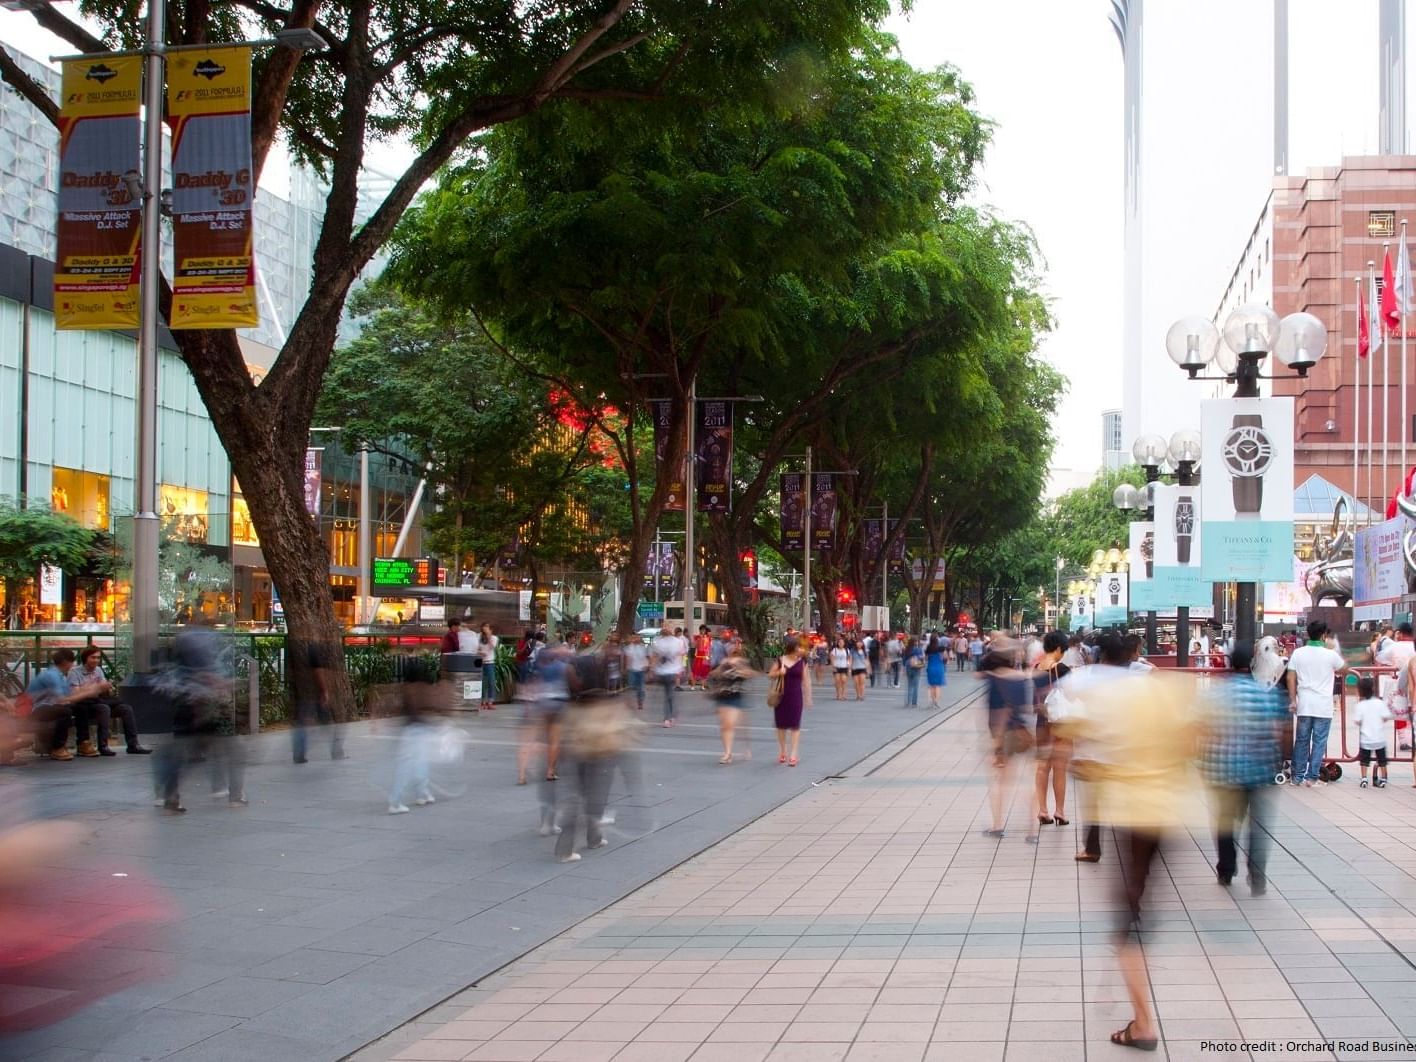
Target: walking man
pixel 668 650
pixel 1243 750
pixel 1312 669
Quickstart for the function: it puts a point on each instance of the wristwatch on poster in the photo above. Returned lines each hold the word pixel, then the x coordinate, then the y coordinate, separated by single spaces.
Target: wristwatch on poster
pixel 1184 526
pixel 1148 553
pixel 1113 587
pixel 1247 454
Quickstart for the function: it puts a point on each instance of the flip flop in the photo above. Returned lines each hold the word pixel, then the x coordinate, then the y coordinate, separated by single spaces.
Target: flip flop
pixel 1123 1038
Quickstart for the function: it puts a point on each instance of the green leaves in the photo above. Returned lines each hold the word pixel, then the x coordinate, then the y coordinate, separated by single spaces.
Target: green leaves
pixel 33 537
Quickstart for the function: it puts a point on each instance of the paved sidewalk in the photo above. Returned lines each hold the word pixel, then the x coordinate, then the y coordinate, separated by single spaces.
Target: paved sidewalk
pixel 312 922
pixel 869 919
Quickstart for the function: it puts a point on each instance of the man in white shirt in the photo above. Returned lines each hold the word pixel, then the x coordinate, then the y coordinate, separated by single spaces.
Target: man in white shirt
pixel 1312 669
pixel 668 650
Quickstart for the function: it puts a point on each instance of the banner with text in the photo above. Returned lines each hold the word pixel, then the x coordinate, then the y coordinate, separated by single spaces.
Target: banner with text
pixel 714 444
pixel 213 189
pixel 314 472
pixel 897 551
pixel 874 538
pixel 1247 491
pixel 100 221
pixel 823 510
pixel 663 412
pixel 793 510
pixel 1378 569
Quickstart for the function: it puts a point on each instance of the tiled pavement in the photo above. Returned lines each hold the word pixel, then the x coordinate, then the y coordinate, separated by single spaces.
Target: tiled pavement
pixel 869 919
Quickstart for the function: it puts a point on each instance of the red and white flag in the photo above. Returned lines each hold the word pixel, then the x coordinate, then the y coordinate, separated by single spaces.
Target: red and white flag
pixel 1391 308
pixel 1364 337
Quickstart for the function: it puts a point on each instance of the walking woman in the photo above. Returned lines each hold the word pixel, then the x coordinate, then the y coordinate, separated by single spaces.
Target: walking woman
pixel 936 670
pixel 840 666
pixel 727 682
pixel 860 667
pixel 1053 750
pixel 914 667
pixel 796 697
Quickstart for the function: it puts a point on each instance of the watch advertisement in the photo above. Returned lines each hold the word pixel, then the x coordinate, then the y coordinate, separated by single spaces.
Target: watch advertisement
pixel 1378 569
pixel 1178 580
pixel 1080 608
pixel 1247 490
pixel 1142 547
pixel 1111 599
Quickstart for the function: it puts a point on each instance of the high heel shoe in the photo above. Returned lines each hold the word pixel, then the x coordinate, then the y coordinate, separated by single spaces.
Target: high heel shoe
pixel 1043 820
pixel 782 758
pixel 1060 821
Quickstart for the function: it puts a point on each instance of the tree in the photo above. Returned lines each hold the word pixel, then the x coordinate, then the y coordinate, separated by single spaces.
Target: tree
pixel 436 72
pixel 659 253
pixel 1085 519
pixel 32 538
pixel 508 460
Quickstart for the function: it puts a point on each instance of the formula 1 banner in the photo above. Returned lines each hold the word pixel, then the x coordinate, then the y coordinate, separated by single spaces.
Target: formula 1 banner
pixel 823 511
pixel 663 412
pixel 874 532
pixel 100 221
pixel 897 551
pixel 314 472
pixel 714 444
pixel 793 510
pixel 213 189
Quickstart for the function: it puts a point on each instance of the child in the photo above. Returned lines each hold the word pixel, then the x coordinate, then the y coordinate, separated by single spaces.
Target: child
pixel 726 682
pixel 1372 716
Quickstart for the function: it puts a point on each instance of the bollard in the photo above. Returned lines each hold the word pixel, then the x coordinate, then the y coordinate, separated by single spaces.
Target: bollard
pixel 253 695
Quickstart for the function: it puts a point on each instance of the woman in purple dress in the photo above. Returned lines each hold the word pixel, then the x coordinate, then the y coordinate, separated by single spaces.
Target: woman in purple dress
pixel 796 696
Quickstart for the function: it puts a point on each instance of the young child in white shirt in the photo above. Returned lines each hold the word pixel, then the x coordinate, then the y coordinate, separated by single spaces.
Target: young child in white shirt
pixel 1372 716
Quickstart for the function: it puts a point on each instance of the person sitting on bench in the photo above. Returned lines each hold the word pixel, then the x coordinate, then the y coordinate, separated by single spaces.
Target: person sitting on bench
pixel 96 699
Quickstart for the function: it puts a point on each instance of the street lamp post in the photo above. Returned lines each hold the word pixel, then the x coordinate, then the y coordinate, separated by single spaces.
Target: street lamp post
pixel 1250 333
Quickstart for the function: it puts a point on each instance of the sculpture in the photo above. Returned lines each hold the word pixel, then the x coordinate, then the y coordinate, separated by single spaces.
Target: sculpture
pixel 1331 577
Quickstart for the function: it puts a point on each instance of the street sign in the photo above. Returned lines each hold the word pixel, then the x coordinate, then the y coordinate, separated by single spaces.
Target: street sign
pixel 650 609
pixel 392 575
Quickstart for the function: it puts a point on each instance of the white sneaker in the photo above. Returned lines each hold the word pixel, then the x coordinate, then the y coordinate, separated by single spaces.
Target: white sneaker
pixel 574 857
pixel 603 842
pixel 607 819
pixel 1363 784
pixel 398 809
pixel 421 801
pixel 547 830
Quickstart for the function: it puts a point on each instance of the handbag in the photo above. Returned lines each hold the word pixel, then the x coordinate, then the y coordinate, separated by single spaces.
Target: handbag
pixel 1059 707
pixel 778 686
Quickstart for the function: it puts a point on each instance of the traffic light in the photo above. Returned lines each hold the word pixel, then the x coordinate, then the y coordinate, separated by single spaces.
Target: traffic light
pixel 845 597
pixel 749 568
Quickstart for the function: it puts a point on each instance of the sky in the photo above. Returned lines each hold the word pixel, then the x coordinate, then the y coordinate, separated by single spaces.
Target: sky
pixel 1048 75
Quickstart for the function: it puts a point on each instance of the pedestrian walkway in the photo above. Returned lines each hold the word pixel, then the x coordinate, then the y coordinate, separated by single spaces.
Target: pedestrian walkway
pixel 870 920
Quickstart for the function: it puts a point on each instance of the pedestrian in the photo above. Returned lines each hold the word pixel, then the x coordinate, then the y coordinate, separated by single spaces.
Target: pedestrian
pixel 860 667
pixel 201 692
pixel 524 657
pixel 936 671
pixel 668 650
pixel 728 682
pixel 1241 752
pixel 873 657
pixel 598 728
pixel 1076 654
pixel 1312 671
pixel 50 713
pixel 914 668
pixel 417 702
pixel 486 651
pixel 97 698
pixel 1010 726
pixel 840 666
pixel 1090 762
pixel 702 656
pixel 894 654
pixel 636 663
pixel 312 698
pixel 1054 748
pixel 976 648
pixel 960 645
pixel 452 637
pixel 1371 716
pixel 793 699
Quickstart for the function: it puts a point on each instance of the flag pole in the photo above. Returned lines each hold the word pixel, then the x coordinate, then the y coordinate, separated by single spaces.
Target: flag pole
pixel 1372 338
pixel 1386 394
pixel 1405 426
pixel 1357 397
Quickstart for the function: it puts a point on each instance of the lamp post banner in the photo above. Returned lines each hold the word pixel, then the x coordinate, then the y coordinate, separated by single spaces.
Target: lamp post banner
pixel 1141 541
pixel 314 471
pixel 96 276
pixel 874 533
pixel 897 551
pixel 715 456
pixel 793 510
pixel 1247 489
pixel 1081 610
pixel 663 411
pixel 1177 578
pixel 213 189
pixel 823 511
pixel 1111 598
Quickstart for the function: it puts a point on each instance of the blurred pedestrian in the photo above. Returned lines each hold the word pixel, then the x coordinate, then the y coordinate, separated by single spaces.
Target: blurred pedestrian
pixel 636 663
pixel 976 648
pixel 1090 763
pixel 597 730
pixel 1010 724
pixel 728 682
pixel 203 724
pixel 1242 751
pixel 894 654
pixel 312 698
pixel 914 668
pixel 418 701
pixel 667 651
pixel 794 698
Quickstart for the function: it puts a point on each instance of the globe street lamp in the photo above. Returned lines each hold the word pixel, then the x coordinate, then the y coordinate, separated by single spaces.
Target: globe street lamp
pixel 1250 333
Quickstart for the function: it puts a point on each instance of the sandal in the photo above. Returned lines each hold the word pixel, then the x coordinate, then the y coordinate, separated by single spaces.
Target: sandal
pixel 993 833
pixel 1043 820
pixel 727 759
pixel 1123 1038
pixel 792 762
pixel 551 776
pixel 782 758
pixel 1060 821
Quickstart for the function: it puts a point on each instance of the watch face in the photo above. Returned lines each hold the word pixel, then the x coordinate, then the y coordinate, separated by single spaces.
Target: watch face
pixel 1247 451
pixel 1148 545
pixel 1184 516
